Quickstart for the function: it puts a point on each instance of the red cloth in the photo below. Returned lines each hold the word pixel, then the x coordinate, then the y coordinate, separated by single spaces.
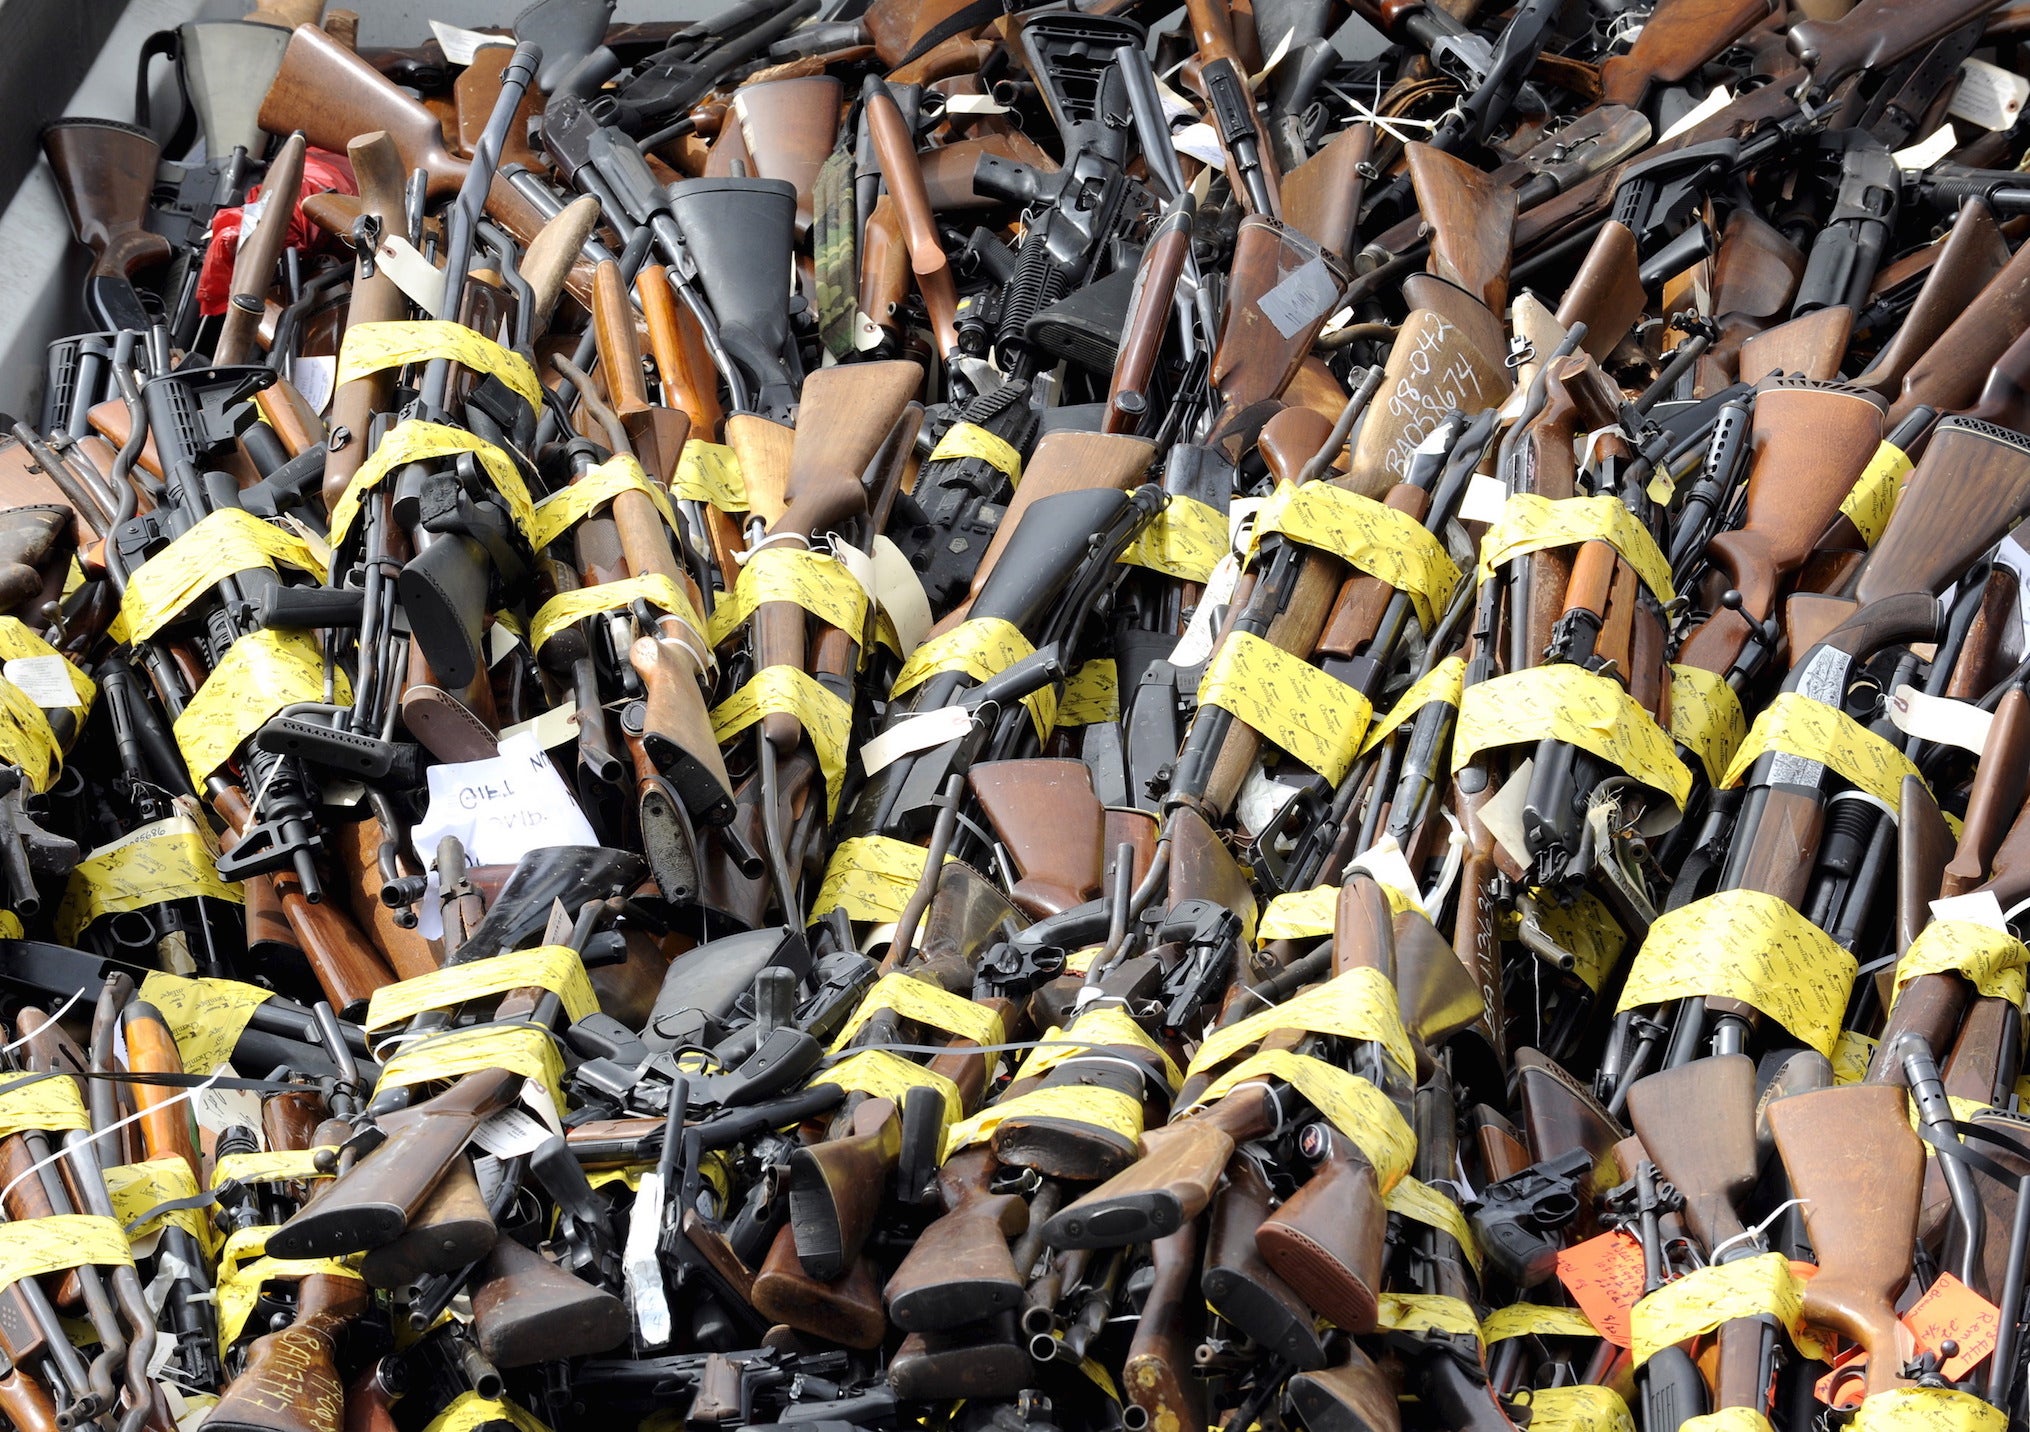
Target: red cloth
pixel 323 172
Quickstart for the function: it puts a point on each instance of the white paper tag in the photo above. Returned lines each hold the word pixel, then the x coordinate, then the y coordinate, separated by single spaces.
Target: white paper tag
pixel 918 733
pixel 1384 860
pixel 501 808
pixel 1939 719
pixel 551 729
pixel 1200 142
pixel 509 1133
pixel 1503 815
pixel 219 1109
pixel 500 640
pixel 900 592
pixel 1175 105
pixel 420 281
pixel 1195 645
pixel 1989 95
pixel 1711 105
pixel 536 1098
pixel 44 679
pixel 974 104
pixel 647 1294
pixel 460 46
pixel 312 377
pixel 1927 152
pixel 1484 500
pixel 1981 907
pixel 1261 800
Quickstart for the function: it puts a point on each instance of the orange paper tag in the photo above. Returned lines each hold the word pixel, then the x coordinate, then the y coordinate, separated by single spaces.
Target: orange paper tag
pixel 1847 1383
pixel 1952 1310
pixel 1605 1276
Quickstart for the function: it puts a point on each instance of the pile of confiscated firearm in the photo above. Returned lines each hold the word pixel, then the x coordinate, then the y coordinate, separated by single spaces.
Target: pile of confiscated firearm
pixel 894 715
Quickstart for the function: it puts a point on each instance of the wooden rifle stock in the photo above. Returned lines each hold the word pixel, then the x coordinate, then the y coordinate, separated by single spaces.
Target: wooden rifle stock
pixel 1472 222
pixel 477 90
pixel 789 126
pixel 260 249
pixel 1255 358
pixel 377 165
pixel 105 173
pixel 1952 370
pixel 1971 486
pixel 1606 294
pixel 1157 1374
pixel 1876 33
pixel 1321 196
pixel 1968 259
pixel 961 1269
pixel 1679 37
pixel 1045 812
pixel 291 1382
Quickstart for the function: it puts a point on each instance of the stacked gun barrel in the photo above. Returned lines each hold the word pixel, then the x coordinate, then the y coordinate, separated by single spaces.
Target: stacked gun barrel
pixel 910 714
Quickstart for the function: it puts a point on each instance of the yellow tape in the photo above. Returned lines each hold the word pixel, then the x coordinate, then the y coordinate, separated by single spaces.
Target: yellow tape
pixel 1101 1025
pixel 517 1047
pixel 1588 930
pixel 1185 540
pixel 1421 1203
pixel 1092 1104
pixel 816 581
pixel 1927 1409
pixel 1707 1297
pixel 1727 1419
pixel 1092 695
pixel 1873 501
pixel 278 1166
pixel 785 690
pixel 1581 1408
pixel 963 440
pixel 1307 914
pixel 657 590
pixel 222 543
pixel 1315 717
pixel 890 1076
pixel 870 877
pixel 1443 682
pixel 243 1268
pixel 26 739
pixel 1360 1004
pixel 1852 1053
pixel 417 441
pixel 1706 717
pixel 170 859
pixel 710 473
pixel 262 672
pixel 35 1246
pixel 982 648
pixel 1567 703
pixel 140 1187
pixel 206 1016
pixel 50 1103
pixel 1537 1320
pixel 1797 725
pixel 557 968
pixel 1993 959
pixel 1368 536
pixel 924 1004
pixel 16 640
pixel 1427 1313
pixel 10 925
pixel 1529 523
pixel 469 1411
pixel 1354 1106
pixel 1749 946
pixel 370 347
pixel 597 486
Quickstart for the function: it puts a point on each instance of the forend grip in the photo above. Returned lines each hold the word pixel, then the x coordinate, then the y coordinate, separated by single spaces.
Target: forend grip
pixel 303 608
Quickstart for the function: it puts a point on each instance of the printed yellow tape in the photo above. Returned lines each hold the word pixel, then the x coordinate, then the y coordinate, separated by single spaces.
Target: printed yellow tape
pixel 924 1004
pixel 520 1048
pixel 982 648
pixel 1746 945
pixel 816 581
pixel 1427 1313
pixel 1315 717
pixel 262 672
pixel 1537 1320
pixel 557 514
pixel 1568 703
pixel 170 859
pixel 1353 1106
pixel 16 640
pixel 656 589
pixel 870 877
pixel 1092 695
pixel 1796 725
pixel 469 1411
pixel 1727 1419
pixel 10 925
pixel 710 472
pixel 1873 501
pixel 49 1102
pixel 26 739
pixel 890 1076
pixel 418 441
pixel 1706 717
pixel 1091 1104
pixel 139 1188
pixel 1098 1026
pixel 223 542
pixel 1443 682
pixel 785 690
pixel 206 1016
pixel 1588 931
pixel 1307 914
pixel 35 1246
pixel 1581 1408
pixel 277 1166
pixel 1360 1004
pixel 1703 1299
pixel 963 440
pixel 1927 1409
pixel 243 1268
pixel 1529 523
pixel 1421 1203
pixel 370 347
pixel 557 968
pixel 1852 1053
pixel 1993 959
pixel 1185 540
pixel 1368 536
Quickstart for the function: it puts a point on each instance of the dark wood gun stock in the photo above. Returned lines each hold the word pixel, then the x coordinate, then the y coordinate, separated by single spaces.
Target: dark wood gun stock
pixel 1950 373
pixel 1157 1375
pixel 1679 37
pixel 1321 196
pixel 1996 796
pixel 1606 294
pixel 961 1269
pixel 1148 320
pixel 1045 812
pixel 1875 33
pixel 1171 1184
pixel 452 1230
pixel 259 251
pixel 1238 1282
pixel 1472 222
pixel 291 1382
pixel 1923 845
pixel 1255 359
pixel 1971 486
pixel 1327 1240
pixel 527 1310
pixel 1972 253
pixel 618 343
pixel 105 172
pixel 789 126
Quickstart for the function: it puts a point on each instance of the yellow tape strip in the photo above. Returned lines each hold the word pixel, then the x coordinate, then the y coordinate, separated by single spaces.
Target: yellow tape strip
pixel 982 648
pixel 890 1076
pixel 1443 682
pixel 222 543
pixel 1101 1025
pixel 1852 1054
pixel 16 640
pixel 785 690
pixel 1529 523
pixel 35 1246
pixel 417 441
pixel 557 968
pixel 469 1411
pixel 278 1166
pixel 1307 914
pixel 1707 1297
pixel 167 859
pixel 656 589
pixel 1316 718
pixel 1993 959
pixel 1588 929
pixel 10 925
pixel 1745 945
pixel 517 1047
pixel 925 1004
pixel 1354 1106
pixel 1706 717
pixel 1092 695
pixel 1185 540
pixel 1797 725
pixel 50 1103
pixel 1360 1004
pixel 1927 1409
pixel 242 1270
pixel 1427 1313
pixel 1581 1408
pixel 557 514
pixel 1536 1320
pixel 206 1016
pixel 816 581
pixel 870 877
pixel 1368 536
pixel 1873 501
pixel 1091 1104
pixel 971 440
pixel 26 739
pixel 138 1188
pixel 710 473
pixel 1727 1419
pixel 262 672
pixel 370 347
pixel 1568 703
pixel 1421 1203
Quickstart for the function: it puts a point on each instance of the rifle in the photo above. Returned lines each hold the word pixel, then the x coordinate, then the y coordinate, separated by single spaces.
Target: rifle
pixel 1873 34
pixel 260 246
pixel 290 1382
pixel 527 1310
pixel 1674 44
pixel 962 1269
pixel 105 171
